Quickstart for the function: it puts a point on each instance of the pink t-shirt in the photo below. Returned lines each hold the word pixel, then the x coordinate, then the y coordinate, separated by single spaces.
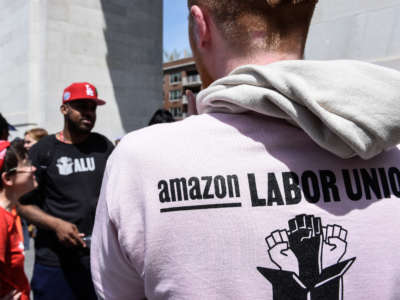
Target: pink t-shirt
pixel 223 206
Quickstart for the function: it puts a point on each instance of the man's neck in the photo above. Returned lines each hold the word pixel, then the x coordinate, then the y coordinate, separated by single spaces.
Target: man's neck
pixel 227 65
pixel 68 136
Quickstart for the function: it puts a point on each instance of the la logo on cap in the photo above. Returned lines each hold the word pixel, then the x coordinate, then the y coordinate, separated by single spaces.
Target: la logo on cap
pixel 89 91
pixel 81 91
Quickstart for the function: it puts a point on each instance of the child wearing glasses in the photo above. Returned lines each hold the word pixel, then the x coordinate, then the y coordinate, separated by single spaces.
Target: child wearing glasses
pixel 16 178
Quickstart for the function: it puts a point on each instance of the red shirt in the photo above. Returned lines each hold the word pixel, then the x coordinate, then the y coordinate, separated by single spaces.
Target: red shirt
pixel 12 274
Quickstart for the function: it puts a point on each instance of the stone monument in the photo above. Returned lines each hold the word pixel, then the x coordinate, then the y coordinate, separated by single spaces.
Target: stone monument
pixel 47 44
pixel 366 30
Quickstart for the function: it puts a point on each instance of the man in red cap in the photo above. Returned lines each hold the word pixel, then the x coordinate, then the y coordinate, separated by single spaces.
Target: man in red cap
pixel 71 165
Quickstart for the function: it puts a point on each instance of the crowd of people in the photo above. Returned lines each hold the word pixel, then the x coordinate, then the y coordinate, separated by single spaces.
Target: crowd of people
pixel 59 212
pixel 284 187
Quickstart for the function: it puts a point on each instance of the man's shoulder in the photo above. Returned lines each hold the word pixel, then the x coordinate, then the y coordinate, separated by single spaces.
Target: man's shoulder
pixel 188 125
pixel 100 137
pixel 165 137
pixel 45 141
pixel 44 145
pixel 169 133
pixel 100 143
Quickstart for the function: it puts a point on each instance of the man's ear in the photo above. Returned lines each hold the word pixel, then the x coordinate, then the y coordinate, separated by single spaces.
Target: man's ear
pixel 201 27
pixel 64 109
pixel 6 179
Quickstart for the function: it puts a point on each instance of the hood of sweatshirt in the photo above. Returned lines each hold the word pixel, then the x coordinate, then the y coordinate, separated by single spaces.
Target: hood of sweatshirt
pixel 349 108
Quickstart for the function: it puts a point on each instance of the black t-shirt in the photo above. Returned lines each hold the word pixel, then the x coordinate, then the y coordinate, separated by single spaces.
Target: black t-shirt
pixel 70 177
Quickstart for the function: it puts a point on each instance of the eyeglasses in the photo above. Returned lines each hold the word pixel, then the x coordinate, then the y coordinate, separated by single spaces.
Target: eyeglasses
pixel 15 170
pixel 28 165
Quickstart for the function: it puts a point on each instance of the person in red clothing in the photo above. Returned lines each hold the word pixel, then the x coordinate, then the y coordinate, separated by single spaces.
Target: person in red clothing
pixel 16 178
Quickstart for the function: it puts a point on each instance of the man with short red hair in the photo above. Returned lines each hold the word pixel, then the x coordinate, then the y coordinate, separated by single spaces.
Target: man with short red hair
pixel 285 186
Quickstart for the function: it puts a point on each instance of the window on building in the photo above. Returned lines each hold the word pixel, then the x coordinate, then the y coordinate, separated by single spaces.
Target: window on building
pixel 175 95
pixel 193 78
pixel 175 78
pixel 176 112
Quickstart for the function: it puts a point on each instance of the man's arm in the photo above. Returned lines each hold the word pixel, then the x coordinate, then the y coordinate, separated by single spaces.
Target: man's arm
pixel 116 250
pixel 67 233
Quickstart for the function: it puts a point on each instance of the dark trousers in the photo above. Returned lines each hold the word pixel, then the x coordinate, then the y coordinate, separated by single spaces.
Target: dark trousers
pixel 26 234
pixel 62 283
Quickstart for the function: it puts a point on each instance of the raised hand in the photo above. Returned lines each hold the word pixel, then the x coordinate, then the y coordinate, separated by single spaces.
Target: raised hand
pixel 305 239
pixel 334 246
pixel 309 260
pixel 280 253
pixel 192 108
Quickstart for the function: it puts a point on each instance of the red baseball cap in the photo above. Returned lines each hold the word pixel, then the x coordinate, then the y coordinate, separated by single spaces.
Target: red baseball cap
pixel 81 91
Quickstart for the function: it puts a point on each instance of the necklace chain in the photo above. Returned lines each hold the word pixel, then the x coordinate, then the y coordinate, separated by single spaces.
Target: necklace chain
pixel 60 137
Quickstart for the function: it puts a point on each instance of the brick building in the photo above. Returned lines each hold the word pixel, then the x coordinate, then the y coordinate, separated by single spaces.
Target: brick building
pixel 179 76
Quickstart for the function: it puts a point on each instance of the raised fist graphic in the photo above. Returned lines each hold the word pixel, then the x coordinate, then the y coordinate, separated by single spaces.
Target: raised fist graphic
pixel 305 239
pixel 309 260
pixel 280 253
pixel 334 246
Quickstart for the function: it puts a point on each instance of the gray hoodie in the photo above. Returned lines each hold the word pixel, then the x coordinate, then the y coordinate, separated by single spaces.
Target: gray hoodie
pixel 349 108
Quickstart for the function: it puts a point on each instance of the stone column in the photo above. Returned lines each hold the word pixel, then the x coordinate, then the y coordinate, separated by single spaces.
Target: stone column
pixel 367 30
pixel 48 44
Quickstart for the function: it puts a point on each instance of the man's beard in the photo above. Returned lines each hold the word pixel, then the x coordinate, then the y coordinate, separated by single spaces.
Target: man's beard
pixel 78 128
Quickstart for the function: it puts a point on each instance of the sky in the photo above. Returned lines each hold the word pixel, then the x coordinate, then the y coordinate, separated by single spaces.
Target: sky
pixel 175 34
